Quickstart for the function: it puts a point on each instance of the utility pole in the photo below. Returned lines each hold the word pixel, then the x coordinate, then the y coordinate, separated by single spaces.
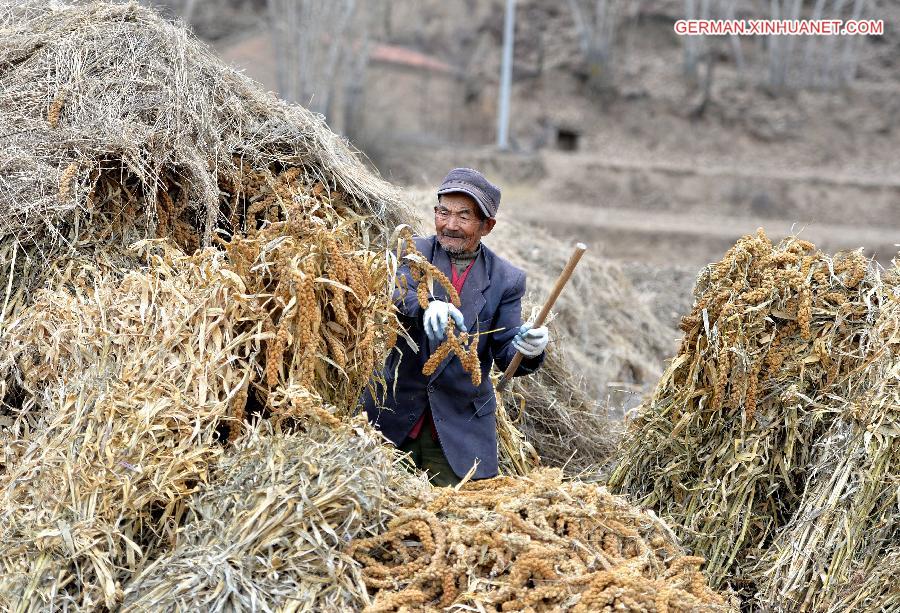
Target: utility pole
pixel 509 31
pixel 188 13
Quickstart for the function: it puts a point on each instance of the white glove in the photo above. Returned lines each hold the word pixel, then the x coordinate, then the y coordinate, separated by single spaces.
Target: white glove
pixel 435 319
pixel 530 342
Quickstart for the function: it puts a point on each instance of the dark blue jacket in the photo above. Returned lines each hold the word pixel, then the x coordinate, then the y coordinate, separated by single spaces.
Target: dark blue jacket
pixel 463 414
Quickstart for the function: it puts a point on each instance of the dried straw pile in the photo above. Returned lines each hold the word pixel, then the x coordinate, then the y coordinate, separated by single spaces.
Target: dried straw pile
pixel 110 113
pixel 771 442
pixel 271 525
pixel 192 297
pixel 122 385
pixel 123 367
pixel 849 514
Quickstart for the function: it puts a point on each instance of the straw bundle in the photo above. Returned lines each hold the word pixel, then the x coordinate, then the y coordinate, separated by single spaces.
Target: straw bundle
pixel 872 588
pixel 129 382
pixel 272 523
pixel 849 515
pixel 734 444
pixel 118 425
pixel 530 544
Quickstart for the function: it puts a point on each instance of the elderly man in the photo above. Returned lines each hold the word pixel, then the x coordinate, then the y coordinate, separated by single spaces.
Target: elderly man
pixel 444 422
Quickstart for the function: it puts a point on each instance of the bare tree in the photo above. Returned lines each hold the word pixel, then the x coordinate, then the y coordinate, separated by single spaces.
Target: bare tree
pixel 596 22
pixel 691 44
pixel 822 62
pixel 850 55
pixel 322 50
pixel 781 48
pixel 700 49
pixel 355 68
pixel 737 51
pixel 832 61
pixel 790 62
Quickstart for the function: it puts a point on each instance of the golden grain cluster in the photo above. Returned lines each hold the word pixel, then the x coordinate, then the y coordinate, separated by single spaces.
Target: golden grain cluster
pixel 462 345
pixel 771 440
pixel 532 543
pixel 124 375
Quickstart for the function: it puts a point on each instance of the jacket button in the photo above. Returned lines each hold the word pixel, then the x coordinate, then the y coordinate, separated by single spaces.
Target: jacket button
pixel 411 418
pixel 430 389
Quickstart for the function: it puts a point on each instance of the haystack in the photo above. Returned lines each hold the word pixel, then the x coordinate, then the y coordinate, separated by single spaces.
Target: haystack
pixel 111 114
pixel 130 380
pixel 196 286
pixel 272 524
pixel 127 364
pixel 849 515
pixel 771 440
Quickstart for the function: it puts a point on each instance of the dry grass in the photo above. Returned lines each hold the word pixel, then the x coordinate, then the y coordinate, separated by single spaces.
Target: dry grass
pixel 108 440
pixel 872 587
pixel 109 105
pixel 129 381
pixel 124 368
pixel 770 441
pixel 269 529
pixel 848 514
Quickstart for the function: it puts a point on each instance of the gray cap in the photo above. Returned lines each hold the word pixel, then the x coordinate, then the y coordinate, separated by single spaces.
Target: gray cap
pixel 473 183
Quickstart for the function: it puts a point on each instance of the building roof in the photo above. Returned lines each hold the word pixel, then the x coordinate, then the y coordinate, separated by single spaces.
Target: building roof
pixel 404 56
pixel 255 55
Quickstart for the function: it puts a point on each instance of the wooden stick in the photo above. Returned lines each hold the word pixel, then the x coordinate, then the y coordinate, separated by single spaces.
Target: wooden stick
pixel 580 248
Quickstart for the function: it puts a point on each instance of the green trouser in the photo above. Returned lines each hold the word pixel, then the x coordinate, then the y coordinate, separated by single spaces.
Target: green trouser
pixel 426 454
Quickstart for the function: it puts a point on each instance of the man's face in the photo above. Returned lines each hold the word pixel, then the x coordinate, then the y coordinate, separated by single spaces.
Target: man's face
pixel 459 223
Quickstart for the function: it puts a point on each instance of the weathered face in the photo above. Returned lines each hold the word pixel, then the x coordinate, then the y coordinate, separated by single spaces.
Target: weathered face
pixel 459 223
